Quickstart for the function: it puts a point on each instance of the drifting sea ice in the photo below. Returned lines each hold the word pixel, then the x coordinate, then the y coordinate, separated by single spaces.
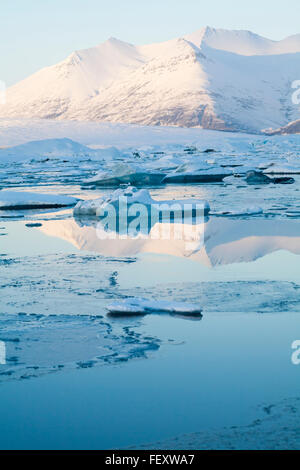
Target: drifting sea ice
pixel 123 173
pixel 43 344
pixel 15 200
pixel 257 177
pixel 197 173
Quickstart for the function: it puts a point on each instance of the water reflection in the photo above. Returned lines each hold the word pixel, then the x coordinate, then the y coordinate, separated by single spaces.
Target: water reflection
pixel 213 242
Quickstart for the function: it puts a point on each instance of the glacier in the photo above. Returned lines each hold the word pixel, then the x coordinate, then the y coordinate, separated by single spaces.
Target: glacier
pixel 59 148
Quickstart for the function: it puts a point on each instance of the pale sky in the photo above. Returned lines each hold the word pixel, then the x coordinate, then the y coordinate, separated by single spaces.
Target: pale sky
pixel 37 33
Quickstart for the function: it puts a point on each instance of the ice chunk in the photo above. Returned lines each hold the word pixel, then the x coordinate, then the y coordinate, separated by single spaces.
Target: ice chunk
pixel 16 200
pixel 197 173
pixel 132 195
pixel 187 178
pixel 257 177
pixel 140 306
pixel 123 173
pixel 283 180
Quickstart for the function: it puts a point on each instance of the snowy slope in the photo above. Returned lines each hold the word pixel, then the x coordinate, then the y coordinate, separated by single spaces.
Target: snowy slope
pixel 216 79
pixel 53 91
pixel 243 42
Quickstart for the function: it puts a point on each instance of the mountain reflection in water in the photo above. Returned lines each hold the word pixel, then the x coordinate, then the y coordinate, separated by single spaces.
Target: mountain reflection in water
pixel 215 241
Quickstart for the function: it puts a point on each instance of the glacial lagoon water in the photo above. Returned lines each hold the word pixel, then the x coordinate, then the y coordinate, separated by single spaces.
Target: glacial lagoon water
pixel 75 377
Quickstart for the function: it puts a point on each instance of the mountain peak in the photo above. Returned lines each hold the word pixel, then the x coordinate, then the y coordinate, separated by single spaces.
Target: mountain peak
pixel 202 79
pixel 113 40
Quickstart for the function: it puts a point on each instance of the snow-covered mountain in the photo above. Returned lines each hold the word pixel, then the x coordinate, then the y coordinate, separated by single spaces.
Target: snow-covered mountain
pixel 216 79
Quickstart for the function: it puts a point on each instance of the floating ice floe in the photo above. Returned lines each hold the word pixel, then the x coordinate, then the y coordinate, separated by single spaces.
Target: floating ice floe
pixel 257 177
pixel 197 174
pixel 140 306
pixel 132 195
pixel 16 200
pixel 123 173
pixel 46 343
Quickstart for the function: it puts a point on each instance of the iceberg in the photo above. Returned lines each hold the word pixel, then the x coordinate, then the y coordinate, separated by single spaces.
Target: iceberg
pixel 140 306
pixel 17 200
pixel 131 195
pixel 257 177
pixel 123 173
pixel 193 173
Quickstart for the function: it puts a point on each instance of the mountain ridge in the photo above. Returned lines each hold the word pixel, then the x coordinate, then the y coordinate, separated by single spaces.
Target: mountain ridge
pixel 212 78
